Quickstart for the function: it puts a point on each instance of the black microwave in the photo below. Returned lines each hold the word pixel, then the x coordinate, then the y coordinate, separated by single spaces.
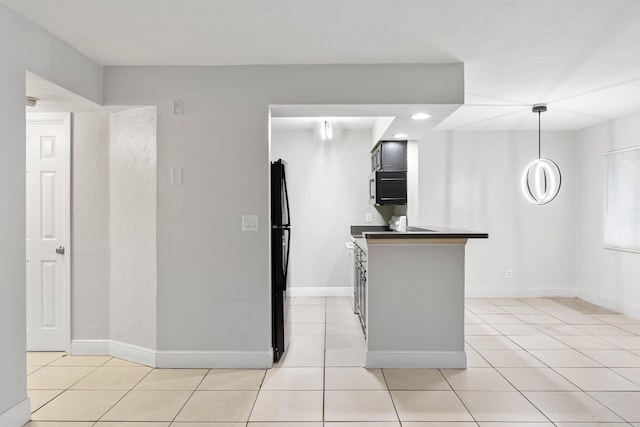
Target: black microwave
pixel 388 188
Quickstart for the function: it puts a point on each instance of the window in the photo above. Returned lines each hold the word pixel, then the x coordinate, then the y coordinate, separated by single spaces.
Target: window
pixel 622 200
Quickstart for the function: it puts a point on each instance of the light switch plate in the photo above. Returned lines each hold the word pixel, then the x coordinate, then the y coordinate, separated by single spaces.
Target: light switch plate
pixel 176 176
pixel 250 223
pixel 368 217
pixel 178 108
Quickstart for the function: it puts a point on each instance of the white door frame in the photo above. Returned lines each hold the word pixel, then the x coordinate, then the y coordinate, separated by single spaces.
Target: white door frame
pixel 65 120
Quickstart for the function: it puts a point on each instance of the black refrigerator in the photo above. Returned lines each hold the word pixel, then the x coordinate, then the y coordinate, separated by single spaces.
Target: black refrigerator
pixel 280 240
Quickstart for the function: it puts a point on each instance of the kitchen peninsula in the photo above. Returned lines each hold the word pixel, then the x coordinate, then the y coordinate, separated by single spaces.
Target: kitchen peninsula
pixel 410 295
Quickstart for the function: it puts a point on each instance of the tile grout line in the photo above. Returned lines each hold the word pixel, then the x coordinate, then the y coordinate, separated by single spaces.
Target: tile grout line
pixel 459 398
pixel 555 370
pixel 264 377
pixel 393 402
pixel 532 355
pixel 255 400
pixel 579 389
pixel 95 368
pixel 610 409
pixel 124 395
pixel 510 383
pixel 190 396
pixel 39 368
pixel 324 362
pixel 522 394
pixel 89 373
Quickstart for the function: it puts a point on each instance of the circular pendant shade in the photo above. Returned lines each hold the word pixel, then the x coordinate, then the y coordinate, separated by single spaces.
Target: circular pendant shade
pixel 541 181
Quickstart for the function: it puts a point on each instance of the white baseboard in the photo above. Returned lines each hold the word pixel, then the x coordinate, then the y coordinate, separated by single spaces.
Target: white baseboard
pixel 90 347
pixel 473 292
pixel 121 350
pixel 173 359
pixel 19 415
pixel 214 359
pixel 319 291
pixel 610 304
pixel 416 359
pixel 470 291
pixel 44 347
pixel 133 353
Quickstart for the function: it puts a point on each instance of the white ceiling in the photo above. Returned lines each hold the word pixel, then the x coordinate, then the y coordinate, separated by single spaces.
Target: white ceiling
pixel 313 123
pixel 53 98
pixel 582 57
pixel 361 117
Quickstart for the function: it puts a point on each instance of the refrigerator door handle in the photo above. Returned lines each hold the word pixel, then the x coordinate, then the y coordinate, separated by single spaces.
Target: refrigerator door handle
pixel 286 261
pixel 286 196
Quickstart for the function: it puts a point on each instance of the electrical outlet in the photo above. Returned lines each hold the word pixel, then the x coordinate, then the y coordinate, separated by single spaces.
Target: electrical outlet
pixel 368 217
pixel 250 223
pixel 509 273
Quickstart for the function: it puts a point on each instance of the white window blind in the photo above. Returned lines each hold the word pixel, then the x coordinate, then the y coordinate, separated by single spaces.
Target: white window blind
pixel 622 200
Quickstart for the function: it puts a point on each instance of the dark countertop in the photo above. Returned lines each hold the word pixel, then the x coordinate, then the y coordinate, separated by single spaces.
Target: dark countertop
pixel 431 232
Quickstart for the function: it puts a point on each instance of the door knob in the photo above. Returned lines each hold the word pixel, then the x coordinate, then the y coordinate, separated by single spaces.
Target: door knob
pixel 60 250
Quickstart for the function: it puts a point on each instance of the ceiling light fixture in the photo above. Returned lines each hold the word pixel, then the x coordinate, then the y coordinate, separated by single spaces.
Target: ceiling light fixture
pixel 420 116
pixel 400 135
pixel 326 131
pixel 31 101
pixel 541 179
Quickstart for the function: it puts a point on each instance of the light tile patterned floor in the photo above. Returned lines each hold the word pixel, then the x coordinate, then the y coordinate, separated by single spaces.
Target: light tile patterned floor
pixel 533 362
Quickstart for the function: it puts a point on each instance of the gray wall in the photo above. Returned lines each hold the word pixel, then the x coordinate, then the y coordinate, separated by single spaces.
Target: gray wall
pixel 604 276
pixel 90 227
pixel 24 46
pixel 132 172
pixel 113 227
pixel 213 279
pixel 328 192
pixel 471 180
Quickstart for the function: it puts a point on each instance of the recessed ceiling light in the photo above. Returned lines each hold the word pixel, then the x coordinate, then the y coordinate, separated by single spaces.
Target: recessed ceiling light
pixel 400 135
pixel 420 116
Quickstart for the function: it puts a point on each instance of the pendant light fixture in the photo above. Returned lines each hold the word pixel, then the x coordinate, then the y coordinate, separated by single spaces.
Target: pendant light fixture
pixel 541 179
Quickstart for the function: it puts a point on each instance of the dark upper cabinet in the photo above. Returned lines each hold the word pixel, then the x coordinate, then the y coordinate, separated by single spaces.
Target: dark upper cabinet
pixel 388 179
pixel 389 156
pixel 387 188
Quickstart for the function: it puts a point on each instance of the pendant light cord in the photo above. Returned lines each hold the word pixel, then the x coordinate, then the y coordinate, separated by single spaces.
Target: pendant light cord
pixel 538 135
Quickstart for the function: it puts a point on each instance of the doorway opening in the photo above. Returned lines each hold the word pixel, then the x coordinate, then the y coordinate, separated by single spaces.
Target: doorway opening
pixel 49 147
pixel 105 150
pixel 327 151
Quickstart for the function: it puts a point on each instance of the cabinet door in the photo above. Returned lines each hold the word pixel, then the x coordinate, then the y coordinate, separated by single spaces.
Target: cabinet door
pixel 362 291
pixel 363 309
pixel 394 156
pixel 391 188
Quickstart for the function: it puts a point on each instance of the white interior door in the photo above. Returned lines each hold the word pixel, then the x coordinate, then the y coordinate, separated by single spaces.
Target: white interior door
pixel 47 187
